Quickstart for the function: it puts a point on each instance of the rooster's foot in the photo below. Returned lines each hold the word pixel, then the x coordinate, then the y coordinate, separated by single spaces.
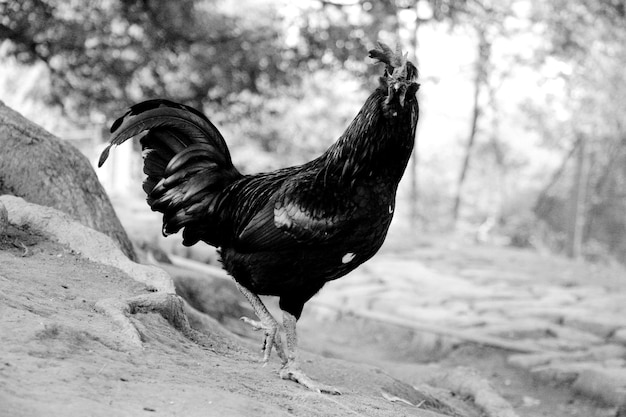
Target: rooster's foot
pixel 272 339
pixel 293 372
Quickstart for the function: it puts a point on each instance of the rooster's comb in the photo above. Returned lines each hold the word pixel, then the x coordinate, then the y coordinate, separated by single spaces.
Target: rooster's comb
pixel 398 66
pixel 386 55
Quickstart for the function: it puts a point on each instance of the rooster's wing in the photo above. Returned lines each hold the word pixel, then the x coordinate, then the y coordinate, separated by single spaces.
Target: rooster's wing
pixel 298 214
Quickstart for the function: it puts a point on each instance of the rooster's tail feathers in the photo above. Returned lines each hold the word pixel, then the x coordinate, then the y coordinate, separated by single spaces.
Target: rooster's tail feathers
pixel 191 126
pixel 186 161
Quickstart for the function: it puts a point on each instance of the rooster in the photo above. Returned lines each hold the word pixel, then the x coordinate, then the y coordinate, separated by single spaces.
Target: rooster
pixel 283 233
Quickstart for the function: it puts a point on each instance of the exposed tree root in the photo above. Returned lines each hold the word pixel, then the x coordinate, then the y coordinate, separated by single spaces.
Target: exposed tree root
pixel 4 219
pixel 170 306
pixel 467 382
pixel 83 240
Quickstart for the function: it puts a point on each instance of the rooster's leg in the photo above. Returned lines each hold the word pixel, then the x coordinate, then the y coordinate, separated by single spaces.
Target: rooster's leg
pixel 267 323
pixel 291 370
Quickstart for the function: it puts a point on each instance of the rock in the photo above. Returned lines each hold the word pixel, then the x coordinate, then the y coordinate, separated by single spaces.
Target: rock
pixel 611 303
pixel 529 361
pixel 489 303
pixel 530 401
pixel 605 353
pixel 479 321
pixel 603 382
pixel 619 336
pixel 467 382
pixel 575 335
pixel 556 296
pixel 430 314
pixel 548 335
pixel 561 345
pixel 561 373
pixel 606 385
pixel 524 328
pixel 600 325
pixel 552 313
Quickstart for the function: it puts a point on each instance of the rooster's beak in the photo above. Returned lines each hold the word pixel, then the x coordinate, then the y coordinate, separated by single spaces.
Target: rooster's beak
pixel 400 89
pixel 397 90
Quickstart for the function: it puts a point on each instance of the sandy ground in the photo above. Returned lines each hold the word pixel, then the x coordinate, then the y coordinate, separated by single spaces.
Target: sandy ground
pixel 62 357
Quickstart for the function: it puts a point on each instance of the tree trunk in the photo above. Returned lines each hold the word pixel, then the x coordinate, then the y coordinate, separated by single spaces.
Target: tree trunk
pixel 480 79
pixel 45 170
pixel 468 155
pixel 539 208
pixel 578 199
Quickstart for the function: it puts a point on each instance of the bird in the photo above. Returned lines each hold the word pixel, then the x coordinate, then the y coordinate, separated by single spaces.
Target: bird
pixel 288 232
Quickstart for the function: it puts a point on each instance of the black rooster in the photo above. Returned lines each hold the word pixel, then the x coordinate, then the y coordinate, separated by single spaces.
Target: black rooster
pixel 288 232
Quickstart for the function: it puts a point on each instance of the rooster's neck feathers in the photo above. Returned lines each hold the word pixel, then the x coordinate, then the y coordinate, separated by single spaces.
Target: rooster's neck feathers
pixel 378 142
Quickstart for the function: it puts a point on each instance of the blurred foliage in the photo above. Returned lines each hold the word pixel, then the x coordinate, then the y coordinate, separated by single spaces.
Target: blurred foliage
pixel 282 79
pixel 106 54
pixel 246 62
pixel 103 55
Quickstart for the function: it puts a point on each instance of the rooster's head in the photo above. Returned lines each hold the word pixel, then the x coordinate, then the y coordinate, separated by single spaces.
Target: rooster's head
pixel 400 74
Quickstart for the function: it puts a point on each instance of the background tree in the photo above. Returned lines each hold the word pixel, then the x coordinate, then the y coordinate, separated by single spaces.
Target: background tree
pixel 105 55
pixel 590 36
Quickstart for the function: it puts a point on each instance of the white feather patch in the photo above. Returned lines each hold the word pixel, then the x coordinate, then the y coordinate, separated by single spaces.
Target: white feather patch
pixel 348 257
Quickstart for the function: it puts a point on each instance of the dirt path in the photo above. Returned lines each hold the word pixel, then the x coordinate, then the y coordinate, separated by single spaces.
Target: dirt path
pixel 60 357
